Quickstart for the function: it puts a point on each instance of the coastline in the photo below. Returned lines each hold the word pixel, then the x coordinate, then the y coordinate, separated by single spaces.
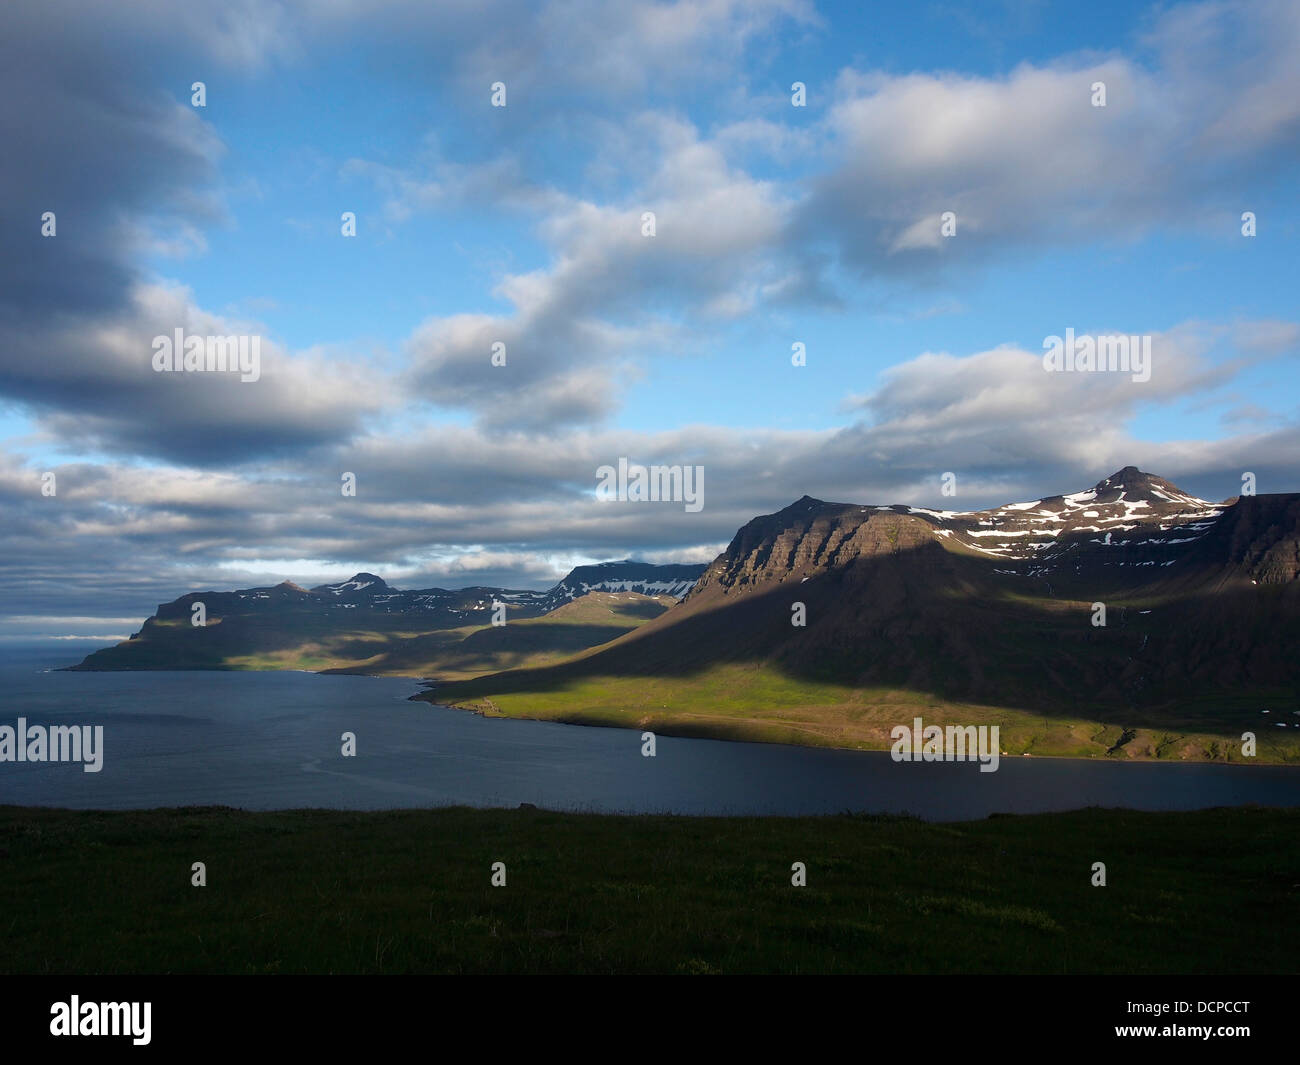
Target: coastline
pixel 790 735
pixel 808 732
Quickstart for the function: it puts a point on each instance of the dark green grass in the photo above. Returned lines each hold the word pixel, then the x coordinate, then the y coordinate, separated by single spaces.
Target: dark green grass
pixel 408 891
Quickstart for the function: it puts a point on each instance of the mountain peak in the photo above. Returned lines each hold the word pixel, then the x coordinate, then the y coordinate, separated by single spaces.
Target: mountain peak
pixel 1134 484
pixel 359 585
pixel 367 578
pixel 1126 477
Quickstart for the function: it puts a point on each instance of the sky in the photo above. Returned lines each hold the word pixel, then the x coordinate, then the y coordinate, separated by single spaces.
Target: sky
pixel 946 195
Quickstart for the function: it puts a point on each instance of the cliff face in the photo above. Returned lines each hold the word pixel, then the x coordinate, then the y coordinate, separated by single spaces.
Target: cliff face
pixel 1260 537
pixel 810 538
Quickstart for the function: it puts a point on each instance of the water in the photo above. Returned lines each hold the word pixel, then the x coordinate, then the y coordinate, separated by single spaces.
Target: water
pixel 272 741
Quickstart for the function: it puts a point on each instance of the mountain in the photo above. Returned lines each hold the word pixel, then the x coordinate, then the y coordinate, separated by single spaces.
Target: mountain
pixel 364 619
pixel 642 578
pixel 1130 519
pixel 948 589
pixel 361 586
pixel 993 609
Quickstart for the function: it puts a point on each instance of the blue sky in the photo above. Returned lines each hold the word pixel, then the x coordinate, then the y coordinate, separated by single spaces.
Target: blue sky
pixel 279 257
pixel 775 224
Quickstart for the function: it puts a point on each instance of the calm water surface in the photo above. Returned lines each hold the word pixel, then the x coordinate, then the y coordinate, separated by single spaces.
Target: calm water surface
pixel 272 741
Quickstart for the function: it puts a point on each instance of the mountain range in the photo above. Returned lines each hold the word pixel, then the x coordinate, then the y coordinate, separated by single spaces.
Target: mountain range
pixel 1129 617
pixel 364 624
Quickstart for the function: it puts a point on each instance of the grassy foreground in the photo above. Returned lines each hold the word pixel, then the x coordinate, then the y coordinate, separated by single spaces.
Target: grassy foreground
pixel 408 891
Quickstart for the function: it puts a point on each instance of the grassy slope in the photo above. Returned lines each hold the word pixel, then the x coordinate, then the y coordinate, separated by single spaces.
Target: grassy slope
pixel 761 703
pixel 313 891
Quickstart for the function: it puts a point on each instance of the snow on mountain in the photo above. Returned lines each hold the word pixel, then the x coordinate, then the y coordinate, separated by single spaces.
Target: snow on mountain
pixel 1128 510
pixel 372 592
pixel 643 578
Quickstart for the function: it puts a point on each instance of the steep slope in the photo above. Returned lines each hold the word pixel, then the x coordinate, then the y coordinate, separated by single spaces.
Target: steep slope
pixel 1257 540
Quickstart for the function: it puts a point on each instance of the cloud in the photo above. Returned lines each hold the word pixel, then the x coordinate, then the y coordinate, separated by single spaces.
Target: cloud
pixel 1002 420
pixel 613 295
pixel 91 381
pixel 1026 162
pixel 461 506
pixel 129 171
pixel 602 48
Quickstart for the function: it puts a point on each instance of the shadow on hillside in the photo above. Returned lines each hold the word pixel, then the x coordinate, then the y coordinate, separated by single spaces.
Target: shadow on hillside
pixel 935 622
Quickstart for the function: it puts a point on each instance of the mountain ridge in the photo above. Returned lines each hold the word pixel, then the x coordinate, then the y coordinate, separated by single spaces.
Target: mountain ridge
pixel 247 625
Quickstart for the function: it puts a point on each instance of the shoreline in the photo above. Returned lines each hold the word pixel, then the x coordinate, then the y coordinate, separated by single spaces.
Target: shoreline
pixel 724 734
pixel 720 731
